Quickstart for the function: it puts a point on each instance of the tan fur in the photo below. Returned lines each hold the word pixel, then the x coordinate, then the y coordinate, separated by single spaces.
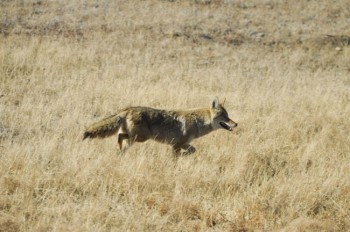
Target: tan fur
pixel 176 128
pixel 104 128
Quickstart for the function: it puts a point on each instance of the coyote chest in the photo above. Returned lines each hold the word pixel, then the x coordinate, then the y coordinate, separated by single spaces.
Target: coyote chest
pixel 176 128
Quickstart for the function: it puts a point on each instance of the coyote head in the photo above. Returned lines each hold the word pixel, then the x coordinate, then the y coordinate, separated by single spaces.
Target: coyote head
pixel 219 117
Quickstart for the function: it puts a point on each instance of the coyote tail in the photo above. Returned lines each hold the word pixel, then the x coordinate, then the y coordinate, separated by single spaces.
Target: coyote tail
pixel 104 128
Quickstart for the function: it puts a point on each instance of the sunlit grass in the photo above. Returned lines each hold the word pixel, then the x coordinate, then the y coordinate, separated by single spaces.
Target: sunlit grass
pixel 65 65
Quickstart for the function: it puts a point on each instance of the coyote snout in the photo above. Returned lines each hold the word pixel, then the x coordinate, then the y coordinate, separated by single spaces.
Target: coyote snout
pixel 228 125
pixel 176 128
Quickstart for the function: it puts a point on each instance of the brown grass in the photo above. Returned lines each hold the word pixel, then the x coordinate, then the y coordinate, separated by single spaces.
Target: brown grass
pixel 283 67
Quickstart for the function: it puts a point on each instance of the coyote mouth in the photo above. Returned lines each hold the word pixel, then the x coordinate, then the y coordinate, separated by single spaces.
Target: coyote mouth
pixel 225 126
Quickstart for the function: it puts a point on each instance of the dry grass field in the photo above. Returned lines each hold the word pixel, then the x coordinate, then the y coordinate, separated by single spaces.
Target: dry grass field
pixel 283 67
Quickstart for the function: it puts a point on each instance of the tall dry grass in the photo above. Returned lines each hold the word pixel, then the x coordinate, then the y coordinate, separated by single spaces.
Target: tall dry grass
pixel 64 65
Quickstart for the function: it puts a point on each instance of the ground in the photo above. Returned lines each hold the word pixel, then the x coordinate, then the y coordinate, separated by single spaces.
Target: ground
pixel 282 66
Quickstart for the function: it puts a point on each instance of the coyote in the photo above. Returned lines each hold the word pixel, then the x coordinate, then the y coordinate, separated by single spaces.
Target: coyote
pixel 176 128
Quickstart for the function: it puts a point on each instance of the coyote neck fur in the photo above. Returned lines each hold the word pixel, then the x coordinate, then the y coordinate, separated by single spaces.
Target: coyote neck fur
pixel 202 122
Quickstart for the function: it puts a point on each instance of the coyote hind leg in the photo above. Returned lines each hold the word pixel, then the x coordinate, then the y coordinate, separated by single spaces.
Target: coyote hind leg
pixel 121 138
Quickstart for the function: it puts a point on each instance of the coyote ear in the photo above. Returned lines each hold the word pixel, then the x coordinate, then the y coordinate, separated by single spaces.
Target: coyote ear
pixel 223 102
pixel 215 103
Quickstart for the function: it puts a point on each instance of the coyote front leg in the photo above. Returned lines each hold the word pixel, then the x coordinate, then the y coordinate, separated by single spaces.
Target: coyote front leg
pixel 121 138
pixel 189 149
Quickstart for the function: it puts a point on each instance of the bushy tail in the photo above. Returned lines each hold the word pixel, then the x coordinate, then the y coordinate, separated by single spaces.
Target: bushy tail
pixel 104 128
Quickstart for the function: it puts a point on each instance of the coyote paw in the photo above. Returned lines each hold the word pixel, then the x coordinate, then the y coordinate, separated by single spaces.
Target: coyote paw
pixel 191 150
pixel 188 150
